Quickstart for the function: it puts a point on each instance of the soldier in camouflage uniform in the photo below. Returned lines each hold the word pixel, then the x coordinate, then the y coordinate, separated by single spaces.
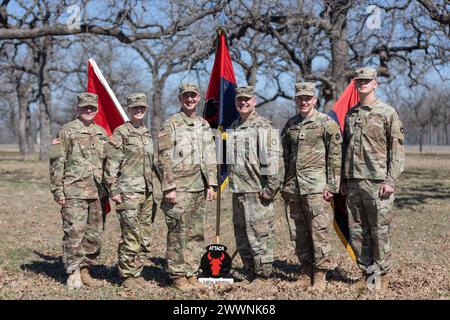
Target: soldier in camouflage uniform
pixel 255 172
pixel 312 159
pixel 76 172
pixel 373 160
pixel 129 176
pixel 189 174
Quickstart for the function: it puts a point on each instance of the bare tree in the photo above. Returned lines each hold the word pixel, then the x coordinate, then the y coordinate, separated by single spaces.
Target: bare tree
pixel 325 41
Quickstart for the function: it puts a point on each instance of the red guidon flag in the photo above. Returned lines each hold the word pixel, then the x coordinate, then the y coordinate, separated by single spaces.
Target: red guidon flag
pixel 110 113
pixel 348 99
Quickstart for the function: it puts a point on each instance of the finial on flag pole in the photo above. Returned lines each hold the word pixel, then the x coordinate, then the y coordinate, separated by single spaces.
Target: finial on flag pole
pixel 87 49
pixel 222 18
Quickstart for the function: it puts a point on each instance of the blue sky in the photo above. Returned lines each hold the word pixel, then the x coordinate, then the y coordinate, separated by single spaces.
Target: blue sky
pixel 96 8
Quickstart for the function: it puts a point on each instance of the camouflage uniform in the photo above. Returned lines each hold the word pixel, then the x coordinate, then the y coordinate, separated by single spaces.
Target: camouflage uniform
pixel 188 163
pixel 255 166
pixel 312 160
pixel 76 172
pixel 128 172
pixel 374 154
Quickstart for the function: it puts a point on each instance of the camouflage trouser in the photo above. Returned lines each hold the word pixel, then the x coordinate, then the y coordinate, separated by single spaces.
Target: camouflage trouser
pixel 83 225
pixel 313 219
pixel 369 222
pixel 185 233
pixel 253 230
pixel 135 223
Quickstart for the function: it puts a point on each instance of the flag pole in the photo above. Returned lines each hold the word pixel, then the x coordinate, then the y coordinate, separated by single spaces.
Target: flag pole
pixel 219 31
pixel 219 195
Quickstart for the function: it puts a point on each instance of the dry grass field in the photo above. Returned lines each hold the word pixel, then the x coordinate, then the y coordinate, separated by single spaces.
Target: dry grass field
pixel 30 237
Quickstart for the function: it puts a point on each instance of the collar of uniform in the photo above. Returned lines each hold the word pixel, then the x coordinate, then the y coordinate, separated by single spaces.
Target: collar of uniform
pixel 371 106
pixel 189 120
pixel 83 128
pixel 250 118
pixel 131 128
pixel 311 118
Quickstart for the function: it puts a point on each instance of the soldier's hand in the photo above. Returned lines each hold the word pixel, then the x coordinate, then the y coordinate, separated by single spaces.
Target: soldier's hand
pixel 61 202
pixel 210 194
pixel 171 197
pixel 386 191
pixel 117 198
pixel 327 195
pixel 264 196
pixel 343 188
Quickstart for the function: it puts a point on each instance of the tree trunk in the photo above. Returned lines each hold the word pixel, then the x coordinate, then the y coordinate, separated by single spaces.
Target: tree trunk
pixel 339 51
pixel 44 99
pixel 29 131
pixel 157 113
pixel 446 127
pixel 23 107
pixel 420 140
pixel 251 76
pixel 446 134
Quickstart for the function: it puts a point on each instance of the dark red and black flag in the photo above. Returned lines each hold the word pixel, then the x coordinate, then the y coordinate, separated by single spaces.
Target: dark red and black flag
pixel 346 101
pixel 220 110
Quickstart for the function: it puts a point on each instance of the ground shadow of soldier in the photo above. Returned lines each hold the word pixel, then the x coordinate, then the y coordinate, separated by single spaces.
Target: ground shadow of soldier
pixel 289 271
pixel 285 270
pixel 50 266
pixel 157 272
pixel 53 267
pixel 282 270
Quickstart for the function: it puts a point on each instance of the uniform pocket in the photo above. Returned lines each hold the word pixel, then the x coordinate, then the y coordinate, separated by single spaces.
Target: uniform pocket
pixel 375 126
pixel 384 203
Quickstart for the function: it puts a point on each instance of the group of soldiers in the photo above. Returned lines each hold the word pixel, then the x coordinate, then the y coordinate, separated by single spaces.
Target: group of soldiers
pixel 308 163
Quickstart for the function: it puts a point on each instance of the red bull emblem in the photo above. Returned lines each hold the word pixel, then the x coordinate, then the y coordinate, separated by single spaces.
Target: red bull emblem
pixel 215 262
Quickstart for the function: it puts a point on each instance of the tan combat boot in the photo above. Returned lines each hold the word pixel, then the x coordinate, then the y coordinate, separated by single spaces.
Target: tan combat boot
pixel 74 281
pixel 385 281
pixel 87 279
pixel 361 284
pixel 319 280
pixel 182 284
pixel 144 283
pixel 131 283
pixel 194 281
pixel 260 282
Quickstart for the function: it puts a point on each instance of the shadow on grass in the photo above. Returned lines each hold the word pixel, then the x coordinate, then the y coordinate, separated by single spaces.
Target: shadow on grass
pixel 281 269
pixel 53 267
pixel 157 272
pixel 288 271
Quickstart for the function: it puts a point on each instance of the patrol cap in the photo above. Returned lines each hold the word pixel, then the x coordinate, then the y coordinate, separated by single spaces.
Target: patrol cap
pixel 137 100
pixel 305 89
pixel 366 73
pixel 246 91
pixel 188 87
pixel 86 99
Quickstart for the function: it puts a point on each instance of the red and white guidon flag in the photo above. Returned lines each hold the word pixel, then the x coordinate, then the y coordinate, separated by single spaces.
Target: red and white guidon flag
pixel 110 113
